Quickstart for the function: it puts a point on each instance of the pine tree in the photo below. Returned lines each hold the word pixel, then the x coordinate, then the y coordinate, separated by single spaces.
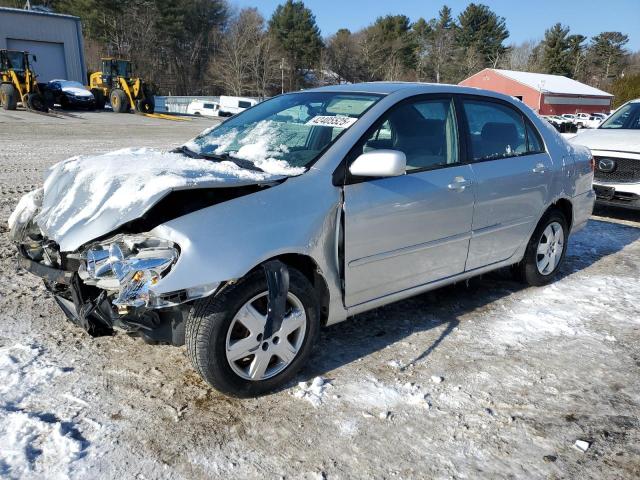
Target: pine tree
pixel 555 51
pixel 607 56
pixel 480 36
pixel 294 28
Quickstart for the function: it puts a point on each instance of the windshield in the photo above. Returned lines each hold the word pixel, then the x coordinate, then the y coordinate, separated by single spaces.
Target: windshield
pixel 286 134
pixel 627 117
pixel 69 83
pixel 16 60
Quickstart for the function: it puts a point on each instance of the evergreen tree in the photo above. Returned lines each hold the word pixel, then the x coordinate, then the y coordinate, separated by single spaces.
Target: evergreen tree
pixel 625 88
pixel 294 28
pixel 607 56
pixel 555 51
pixel 390 48
pixel 480 36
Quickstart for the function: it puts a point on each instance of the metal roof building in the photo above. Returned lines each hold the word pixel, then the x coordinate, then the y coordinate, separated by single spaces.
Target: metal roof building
pixel 546 94
pixel 56 41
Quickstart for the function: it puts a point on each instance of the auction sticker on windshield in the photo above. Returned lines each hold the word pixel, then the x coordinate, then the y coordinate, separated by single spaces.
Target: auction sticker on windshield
pixel 332 121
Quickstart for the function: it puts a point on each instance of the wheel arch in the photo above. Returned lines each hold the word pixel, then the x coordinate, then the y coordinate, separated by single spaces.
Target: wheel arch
pixel 565 207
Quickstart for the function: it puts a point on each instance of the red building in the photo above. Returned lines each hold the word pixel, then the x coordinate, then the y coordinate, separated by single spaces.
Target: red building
pixel 546 94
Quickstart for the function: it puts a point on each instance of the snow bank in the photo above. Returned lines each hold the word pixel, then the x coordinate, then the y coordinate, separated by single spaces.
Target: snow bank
pixel 32 441
pixel 86 197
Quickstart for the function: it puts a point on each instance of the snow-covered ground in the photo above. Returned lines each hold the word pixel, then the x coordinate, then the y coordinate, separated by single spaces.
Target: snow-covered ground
pixel 485 380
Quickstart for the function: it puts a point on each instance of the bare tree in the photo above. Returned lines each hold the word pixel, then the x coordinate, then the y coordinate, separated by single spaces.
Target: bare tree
pixel 519 57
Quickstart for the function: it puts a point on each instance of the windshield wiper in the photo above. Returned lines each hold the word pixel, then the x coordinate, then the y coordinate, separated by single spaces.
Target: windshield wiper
pixel 219 157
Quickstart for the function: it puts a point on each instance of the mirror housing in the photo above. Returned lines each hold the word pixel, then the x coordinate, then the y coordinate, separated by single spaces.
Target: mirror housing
pixel 379 163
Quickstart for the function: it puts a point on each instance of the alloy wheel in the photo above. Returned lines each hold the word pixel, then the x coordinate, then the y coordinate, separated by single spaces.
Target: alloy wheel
pixel 255 358
pixel 550 248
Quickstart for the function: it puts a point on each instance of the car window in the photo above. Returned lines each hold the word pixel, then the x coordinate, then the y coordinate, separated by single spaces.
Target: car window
pixel 425 131
pixel 243 104
pixel 495 130
pixel 534 142
pixel 626 117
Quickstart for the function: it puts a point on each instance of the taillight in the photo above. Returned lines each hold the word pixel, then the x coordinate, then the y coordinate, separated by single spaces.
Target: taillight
pixel 593 164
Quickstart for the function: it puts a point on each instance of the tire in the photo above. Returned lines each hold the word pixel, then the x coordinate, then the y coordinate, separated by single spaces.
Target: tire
pixel 212 322
pixel 529 269
pixel 35 101
pixel 8 97
pixel 119 101
pixel 145 106
pixel 99 97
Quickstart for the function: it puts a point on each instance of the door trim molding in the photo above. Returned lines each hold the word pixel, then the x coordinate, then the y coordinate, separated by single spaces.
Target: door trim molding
pixel 409 250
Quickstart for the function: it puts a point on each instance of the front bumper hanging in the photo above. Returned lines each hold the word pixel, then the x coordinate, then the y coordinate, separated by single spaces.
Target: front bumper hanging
pixel 90 307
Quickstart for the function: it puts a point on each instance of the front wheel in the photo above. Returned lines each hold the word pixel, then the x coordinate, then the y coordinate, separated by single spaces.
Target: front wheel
pixel 546 250
pixel 119 101
pixel 226 340
pixel 8 96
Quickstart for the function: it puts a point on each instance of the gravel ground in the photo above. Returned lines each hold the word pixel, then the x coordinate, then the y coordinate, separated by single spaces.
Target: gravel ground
pixel 482 380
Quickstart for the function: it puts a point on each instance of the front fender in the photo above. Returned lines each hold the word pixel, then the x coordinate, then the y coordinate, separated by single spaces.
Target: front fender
pixel 225 241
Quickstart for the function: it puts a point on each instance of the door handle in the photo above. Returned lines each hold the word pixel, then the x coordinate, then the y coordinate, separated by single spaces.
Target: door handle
pixel 459 184
pixel 539 168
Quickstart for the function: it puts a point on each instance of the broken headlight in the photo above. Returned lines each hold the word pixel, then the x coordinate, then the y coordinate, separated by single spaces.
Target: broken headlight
pixel 129 266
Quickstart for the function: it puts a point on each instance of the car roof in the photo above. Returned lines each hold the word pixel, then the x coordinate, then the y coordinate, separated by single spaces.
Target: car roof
pixel 386 88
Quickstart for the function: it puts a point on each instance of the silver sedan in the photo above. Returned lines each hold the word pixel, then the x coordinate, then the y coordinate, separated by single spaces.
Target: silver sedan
pixel 302 211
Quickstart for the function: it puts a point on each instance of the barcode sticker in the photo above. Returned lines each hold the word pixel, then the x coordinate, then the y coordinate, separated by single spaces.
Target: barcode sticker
pixel 332 121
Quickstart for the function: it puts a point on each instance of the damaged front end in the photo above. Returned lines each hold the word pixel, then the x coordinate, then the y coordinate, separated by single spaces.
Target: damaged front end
pixel 107 285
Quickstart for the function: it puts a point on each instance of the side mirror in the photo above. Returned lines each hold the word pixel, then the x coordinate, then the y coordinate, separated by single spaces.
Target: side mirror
pixel 379 163
pixel 35 59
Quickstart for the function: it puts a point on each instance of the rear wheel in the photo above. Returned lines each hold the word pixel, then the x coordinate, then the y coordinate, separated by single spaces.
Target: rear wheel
pixel 545 251
pixel 225 336
pixel 100 100
pixel 8 97
pixel 119 101
pixel 145 106
pixel 35 101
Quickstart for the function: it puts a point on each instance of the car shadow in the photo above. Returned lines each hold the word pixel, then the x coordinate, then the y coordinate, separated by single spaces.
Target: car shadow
pixel 373 331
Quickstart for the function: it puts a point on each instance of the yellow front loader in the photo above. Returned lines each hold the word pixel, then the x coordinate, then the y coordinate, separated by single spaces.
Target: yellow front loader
pixel 125 93
pixel 19 82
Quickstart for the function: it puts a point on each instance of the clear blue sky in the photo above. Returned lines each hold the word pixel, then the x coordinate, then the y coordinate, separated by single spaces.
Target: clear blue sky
pixel 526 20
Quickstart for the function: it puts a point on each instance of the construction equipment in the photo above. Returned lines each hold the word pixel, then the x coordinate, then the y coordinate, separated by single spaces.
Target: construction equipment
pixel 19 82
pixel 125 92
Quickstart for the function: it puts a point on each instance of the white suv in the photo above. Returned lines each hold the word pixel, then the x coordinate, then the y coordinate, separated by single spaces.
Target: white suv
pixel 615 145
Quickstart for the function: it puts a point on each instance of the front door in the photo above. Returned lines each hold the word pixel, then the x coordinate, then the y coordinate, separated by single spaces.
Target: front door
pixel 406 231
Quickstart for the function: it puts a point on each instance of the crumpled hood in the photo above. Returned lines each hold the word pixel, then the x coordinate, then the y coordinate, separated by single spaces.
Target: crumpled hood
pixel 84 198
pixel 609 139
pixel 78 92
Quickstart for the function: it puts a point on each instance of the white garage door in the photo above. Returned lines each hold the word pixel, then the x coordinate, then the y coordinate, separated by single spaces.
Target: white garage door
pixel 50 62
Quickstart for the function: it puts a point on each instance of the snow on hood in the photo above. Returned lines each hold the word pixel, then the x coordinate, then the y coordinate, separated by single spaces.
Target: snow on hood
pixel 622 140
pixel 78 92
pixel 86 197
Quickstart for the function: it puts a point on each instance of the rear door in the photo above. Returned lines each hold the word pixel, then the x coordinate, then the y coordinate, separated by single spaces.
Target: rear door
pixel 405 231
pixel 513 174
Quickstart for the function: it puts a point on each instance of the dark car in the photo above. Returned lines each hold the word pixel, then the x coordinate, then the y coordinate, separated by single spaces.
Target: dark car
pixel 70 94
